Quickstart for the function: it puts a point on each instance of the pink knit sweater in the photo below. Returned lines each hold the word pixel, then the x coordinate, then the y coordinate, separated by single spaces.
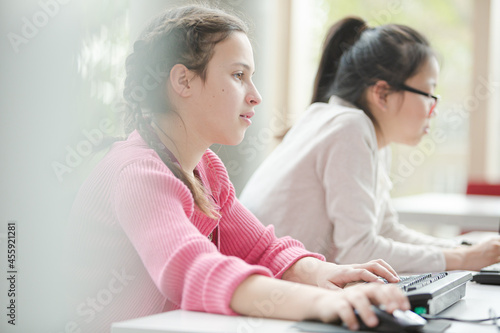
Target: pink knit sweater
pixel 133 215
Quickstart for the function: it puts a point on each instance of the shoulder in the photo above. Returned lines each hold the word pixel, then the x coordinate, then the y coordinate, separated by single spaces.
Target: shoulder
pixel 134 154
pixel 131 173
pixel 338 120
pixel 145 180
pixel 136 164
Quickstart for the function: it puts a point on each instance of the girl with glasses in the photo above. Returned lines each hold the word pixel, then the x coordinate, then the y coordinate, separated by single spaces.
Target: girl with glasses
pixel 327 183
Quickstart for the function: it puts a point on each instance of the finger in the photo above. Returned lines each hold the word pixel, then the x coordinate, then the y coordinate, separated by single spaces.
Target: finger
pixel 390 298
pixel 382 269
pixel 352 284
pixel 353 274
pixel 388 267
pixel 364 308
pixel 347 316
pixel 368 276
pixel 330 285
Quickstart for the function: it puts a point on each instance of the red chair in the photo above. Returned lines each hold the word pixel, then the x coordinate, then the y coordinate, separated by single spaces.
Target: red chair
pixel 481 188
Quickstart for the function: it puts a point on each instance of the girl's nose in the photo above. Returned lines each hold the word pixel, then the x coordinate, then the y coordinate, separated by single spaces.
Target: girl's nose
pixel 253 97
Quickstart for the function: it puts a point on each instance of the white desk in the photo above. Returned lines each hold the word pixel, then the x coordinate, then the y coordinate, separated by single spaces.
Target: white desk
pixel 476 304
pixel 469 212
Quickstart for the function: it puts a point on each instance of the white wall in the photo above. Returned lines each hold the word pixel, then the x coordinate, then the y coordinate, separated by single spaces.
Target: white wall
pixel 37 96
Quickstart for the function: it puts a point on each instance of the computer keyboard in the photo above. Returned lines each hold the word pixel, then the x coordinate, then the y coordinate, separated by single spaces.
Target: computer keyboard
pixel 414 282
pixel 431 293
pixel 488 275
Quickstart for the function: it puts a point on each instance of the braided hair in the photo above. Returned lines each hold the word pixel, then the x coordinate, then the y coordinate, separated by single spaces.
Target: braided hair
pixel 185 35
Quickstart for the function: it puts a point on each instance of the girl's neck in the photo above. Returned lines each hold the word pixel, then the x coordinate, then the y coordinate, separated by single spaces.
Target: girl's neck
pixel 382 141
pixel 174 135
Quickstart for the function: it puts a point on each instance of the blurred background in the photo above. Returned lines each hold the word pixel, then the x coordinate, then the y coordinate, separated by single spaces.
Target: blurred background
pixel 62 73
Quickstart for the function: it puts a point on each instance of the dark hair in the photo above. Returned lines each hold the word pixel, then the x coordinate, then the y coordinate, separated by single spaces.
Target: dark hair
pixel 356 57
pixel 185 35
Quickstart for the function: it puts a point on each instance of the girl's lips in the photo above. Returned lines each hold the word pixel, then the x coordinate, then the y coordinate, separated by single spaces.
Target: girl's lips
pixel 246 119
pixel 248 115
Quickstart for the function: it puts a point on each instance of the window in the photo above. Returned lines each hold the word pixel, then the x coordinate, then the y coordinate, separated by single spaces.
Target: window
pixel 493 173
pixel 439 163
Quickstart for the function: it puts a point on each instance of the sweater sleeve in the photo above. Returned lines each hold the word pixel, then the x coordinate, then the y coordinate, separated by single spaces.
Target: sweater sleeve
pixel 153 208
pixel 244 236
pixel 347 167
pixel 392 229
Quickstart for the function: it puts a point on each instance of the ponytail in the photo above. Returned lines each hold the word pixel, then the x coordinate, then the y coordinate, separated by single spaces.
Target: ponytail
pixel 341 37
pixel 356 57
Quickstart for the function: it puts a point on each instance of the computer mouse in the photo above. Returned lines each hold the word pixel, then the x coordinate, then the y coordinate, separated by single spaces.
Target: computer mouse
pixel 398 321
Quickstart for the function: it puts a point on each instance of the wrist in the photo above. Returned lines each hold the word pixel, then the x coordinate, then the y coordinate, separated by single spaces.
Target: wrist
pixel 318 303
pixel 305 270
pixel 455 258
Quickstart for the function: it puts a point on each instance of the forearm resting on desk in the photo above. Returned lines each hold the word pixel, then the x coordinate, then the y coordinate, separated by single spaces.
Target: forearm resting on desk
pixel 261 296
pixel 312 271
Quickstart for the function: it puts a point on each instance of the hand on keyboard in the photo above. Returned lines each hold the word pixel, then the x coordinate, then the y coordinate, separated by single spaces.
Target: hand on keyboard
pixel 414 282
pixel 474 257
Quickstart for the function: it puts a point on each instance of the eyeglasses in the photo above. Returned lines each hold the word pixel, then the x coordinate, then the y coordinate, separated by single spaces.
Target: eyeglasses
pixel 420 92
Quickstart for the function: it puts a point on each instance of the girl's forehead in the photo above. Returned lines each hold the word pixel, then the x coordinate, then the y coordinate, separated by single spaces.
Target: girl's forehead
pixel 234 50
pixel 428 72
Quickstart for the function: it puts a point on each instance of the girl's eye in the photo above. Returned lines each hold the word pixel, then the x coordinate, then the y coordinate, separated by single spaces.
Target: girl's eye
pixel 238 76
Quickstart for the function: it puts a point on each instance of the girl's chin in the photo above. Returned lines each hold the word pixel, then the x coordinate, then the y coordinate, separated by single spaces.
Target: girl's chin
pixel 412 142
pixel 232 141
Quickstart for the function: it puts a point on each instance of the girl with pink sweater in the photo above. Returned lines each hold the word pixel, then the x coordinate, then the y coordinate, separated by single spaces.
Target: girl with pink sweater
pixel 157 223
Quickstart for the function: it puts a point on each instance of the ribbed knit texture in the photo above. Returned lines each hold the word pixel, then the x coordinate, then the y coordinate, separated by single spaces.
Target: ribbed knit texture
pixel 134 216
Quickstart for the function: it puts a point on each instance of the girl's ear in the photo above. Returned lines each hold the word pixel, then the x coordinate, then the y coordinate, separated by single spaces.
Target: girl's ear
pixel 180 77
pixel 379 92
